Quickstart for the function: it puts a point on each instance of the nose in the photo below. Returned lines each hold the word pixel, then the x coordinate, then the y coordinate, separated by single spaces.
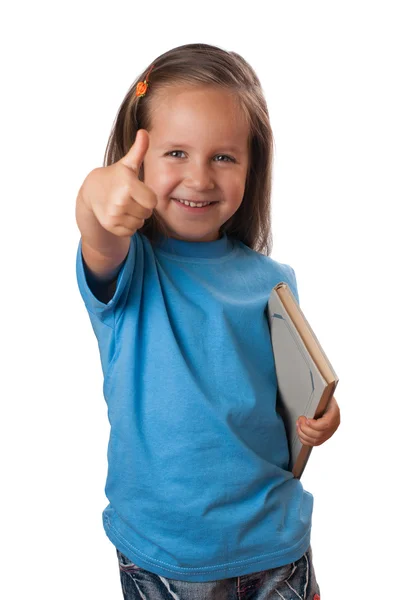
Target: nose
pixel 199 177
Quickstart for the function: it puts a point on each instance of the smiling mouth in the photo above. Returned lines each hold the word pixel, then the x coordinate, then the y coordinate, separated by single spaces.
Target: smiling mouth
pixel 194 204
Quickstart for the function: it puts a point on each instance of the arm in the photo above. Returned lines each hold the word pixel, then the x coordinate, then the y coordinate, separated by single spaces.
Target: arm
pixel 103 252
pixel 111 205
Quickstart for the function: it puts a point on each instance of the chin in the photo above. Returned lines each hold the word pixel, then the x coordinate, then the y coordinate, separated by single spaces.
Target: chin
pixel 194 237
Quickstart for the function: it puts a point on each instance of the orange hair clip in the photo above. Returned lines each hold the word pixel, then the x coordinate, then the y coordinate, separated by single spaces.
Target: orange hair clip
pixel 142 86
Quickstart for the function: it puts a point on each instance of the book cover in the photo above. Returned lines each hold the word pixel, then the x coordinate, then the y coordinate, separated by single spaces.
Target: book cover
pixel 306 378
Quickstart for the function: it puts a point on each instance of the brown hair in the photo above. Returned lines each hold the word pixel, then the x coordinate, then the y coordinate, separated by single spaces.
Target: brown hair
pixel 203 64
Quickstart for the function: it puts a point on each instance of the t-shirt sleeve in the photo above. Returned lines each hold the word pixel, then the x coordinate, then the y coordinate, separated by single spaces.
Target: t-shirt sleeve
pixel 106 311
pixel 292 281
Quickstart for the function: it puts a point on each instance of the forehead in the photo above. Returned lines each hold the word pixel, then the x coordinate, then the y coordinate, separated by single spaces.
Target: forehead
pixel 200 114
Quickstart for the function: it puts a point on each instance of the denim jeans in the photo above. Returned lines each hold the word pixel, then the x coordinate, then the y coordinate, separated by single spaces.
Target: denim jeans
pixel 290 582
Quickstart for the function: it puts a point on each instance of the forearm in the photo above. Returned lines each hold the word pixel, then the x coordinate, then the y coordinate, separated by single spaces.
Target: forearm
pixel 102 250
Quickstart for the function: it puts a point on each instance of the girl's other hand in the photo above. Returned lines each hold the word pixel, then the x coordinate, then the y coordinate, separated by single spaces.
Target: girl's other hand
pixel 314 432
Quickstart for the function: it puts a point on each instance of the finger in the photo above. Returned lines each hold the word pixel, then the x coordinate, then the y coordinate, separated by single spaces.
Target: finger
pixel 122 230
pixel 308 436
pixel 306 440
pixel 134 198
pixel 329 422
pixel 315 425
pixel 127 224
pixel 142 195
pixel 135 156
pixel 123 206
pixel 133 222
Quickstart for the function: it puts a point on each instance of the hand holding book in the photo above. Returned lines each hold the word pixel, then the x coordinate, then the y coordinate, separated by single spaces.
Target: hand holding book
pixel 314 432
pixel 305 376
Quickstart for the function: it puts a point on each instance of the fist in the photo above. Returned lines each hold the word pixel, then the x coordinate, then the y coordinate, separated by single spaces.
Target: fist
pixel 118 199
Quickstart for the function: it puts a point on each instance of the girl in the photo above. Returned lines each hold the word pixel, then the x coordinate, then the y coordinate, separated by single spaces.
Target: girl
pixel 173 266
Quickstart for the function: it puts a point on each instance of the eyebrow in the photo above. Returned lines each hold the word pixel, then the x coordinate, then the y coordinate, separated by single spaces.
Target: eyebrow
pixel 228 147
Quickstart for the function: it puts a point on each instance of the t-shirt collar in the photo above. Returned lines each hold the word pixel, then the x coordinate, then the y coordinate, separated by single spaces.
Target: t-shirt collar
pixel 213 249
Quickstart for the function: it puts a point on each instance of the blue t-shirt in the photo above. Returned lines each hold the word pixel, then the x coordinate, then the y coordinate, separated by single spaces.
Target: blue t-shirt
pixel 197 482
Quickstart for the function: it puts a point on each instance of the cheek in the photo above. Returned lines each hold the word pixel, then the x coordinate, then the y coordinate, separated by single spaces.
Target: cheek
pixel 234 186
pixel 162 178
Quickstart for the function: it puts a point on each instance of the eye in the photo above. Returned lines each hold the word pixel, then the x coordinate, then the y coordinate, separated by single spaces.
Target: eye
pixel 173 152
pixel 229 158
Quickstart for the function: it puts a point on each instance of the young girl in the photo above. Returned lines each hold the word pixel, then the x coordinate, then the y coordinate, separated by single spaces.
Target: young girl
pixel 173 266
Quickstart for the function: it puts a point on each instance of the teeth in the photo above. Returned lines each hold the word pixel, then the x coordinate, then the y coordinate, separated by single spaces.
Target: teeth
pixel 198 204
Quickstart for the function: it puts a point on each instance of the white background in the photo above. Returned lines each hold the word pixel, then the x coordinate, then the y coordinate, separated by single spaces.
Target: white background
pixel 328 71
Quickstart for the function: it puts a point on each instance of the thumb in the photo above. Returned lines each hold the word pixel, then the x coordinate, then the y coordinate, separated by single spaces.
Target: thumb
pixel 135 156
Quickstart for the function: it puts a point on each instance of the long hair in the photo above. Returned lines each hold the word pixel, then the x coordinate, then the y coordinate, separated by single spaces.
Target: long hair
pixel 203 64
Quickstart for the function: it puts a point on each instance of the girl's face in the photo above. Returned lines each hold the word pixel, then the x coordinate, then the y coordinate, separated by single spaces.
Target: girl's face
pixel 199 152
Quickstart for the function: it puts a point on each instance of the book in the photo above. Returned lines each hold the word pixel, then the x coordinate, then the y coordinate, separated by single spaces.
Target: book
pixel 306 379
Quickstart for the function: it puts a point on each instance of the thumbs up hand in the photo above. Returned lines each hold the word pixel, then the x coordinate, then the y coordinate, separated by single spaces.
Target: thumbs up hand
pixel 118 199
